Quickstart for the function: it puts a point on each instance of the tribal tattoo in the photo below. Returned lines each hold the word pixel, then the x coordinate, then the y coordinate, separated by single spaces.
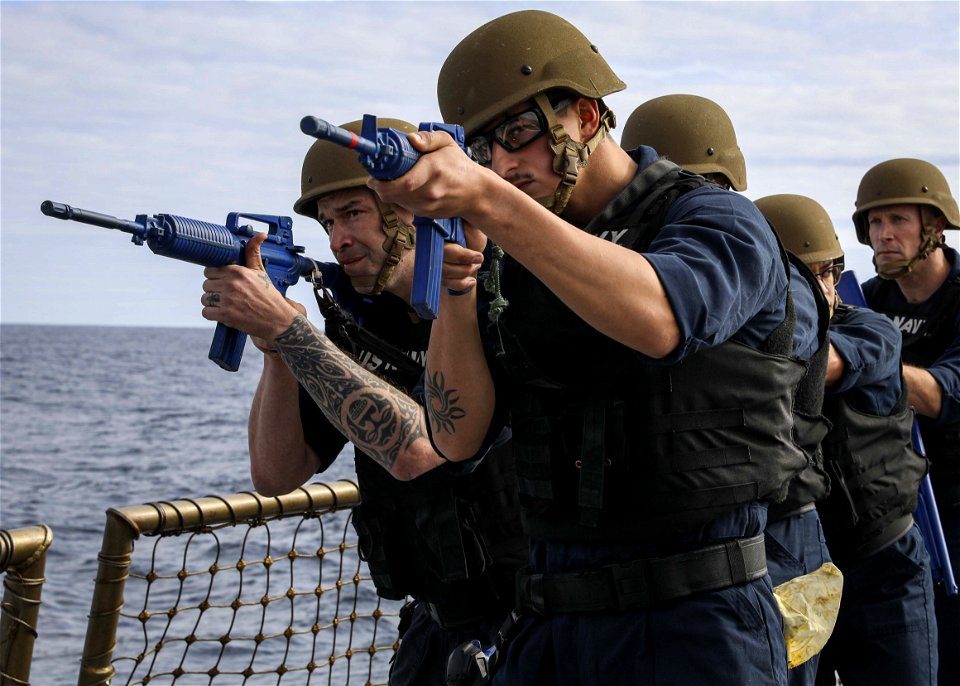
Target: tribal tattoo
pixel 442 404
pixel 378 418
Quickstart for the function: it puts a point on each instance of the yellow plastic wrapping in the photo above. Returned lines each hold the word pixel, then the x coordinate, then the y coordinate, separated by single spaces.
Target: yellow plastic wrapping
pixel 809 605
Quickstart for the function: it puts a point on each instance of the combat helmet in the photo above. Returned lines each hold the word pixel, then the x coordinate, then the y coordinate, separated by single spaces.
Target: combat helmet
pixel 803 226
pixel 906 181
pixel 328 168
pixel 692 131
pixel 805 230
pixel 523 56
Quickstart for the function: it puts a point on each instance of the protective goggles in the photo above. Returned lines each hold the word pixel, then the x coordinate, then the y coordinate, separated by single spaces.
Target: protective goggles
pixel 515 133
pixel 834 271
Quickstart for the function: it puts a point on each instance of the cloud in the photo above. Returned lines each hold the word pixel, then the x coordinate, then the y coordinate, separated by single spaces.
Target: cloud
pixel 193 109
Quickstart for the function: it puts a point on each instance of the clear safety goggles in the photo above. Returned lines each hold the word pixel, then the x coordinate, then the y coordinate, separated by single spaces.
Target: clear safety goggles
pixel 834 271
pixel 515 133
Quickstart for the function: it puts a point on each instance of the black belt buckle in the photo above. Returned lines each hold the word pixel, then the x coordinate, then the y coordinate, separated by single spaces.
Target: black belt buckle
pixel 630 584
pixel 529 591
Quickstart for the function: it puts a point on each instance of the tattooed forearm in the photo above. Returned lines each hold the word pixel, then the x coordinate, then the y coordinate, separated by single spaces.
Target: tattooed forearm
pixel 442 404
pixel 378 418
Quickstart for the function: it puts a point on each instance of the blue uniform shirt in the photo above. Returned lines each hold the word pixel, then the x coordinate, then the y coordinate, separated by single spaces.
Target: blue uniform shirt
pixel 720 264
pixel 946 368
pixel 869 345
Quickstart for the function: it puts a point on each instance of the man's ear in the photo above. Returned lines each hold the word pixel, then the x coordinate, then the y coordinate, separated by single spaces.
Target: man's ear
pixel 933 217
pixel 588 115
pixel 940 222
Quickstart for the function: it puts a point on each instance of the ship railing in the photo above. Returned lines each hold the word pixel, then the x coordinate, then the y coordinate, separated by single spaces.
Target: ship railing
pixel 238 589
pixel 23 556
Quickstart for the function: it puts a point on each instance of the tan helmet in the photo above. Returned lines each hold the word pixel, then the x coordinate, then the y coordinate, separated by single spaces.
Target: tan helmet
pixel 509 60
pixel 519 57
pixel 328 168
pixel 692 131
pixel 803 226
pixel 903 182
pixel 906 182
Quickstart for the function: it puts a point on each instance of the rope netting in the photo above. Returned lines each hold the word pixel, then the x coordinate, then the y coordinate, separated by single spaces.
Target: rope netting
pixel 278 595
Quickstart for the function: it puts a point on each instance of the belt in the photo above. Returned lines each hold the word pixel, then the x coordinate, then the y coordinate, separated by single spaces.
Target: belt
pixel 448 617
pixel 645 583
pixel 889 534
pixel 774 515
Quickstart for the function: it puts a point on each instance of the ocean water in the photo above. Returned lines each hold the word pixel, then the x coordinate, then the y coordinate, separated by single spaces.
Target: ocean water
pixel 93 418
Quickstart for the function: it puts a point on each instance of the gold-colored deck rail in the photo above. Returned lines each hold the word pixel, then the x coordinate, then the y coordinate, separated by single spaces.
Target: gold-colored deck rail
pixel 23 555
pixel 212 515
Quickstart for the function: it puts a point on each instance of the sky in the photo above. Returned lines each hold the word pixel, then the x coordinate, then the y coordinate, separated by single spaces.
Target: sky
pixel 193 109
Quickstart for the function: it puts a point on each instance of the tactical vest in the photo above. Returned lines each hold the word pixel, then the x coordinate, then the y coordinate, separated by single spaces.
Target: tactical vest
pixel 875 474
pixel 454 541
pixel 810 426
pixel 609 447
pixel 921 349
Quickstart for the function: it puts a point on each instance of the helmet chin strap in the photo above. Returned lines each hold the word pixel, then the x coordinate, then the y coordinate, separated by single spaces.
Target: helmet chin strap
pixel 400 237
pixel 930 240
pixel 569 155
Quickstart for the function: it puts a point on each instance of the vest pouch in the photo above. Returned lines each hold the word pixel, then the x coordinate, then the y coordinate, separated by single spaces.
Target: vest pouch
pixel 372 524
pixel 475 552
pixel 840 503
pixel 450 536
pixel 809 604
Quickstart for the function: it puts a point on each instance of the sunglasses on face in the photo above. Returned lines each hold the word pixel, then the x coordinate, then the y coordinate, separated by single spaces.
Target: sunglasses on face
pixel 518 131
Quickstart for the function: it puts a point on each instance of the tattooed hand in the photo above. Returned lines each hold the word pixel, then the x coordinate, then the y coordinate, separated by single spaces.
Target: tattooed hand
pixel 244 298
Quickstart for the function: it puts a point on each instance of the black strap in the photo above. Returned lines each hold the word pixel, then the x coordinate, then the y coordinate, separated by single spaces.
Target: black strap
pixel 645 583
pixel 359 338
pixel 592 464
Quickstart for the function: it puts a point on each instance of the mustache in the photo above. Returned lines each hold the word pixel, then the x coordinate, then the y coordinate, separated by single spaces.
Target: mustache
pixel 518 177
pixel 348 255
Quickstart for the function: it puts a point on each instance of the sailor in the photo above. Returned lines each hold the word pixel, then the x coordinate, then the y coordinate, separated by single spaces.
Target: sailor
pixel 697 134
pixel 644 357
pixel 903 208
pixel 450 543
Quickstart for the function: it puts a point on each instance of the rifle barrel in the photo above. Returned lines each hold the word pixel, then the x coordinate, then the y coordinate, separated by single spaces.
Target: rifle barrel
pixel 319 128
pixel 66 212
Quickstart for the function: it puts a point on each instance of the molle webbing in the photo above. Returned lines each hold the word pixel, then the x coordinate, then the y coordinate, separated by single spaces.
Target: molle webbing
pixel 875 475
pixel 688 455
pixel 645 583
pixel 594 460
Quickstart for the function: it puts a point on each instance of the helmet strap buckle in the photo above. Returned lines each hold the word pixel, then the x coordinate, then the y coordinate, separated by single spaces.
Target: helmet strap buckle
pixel 400 237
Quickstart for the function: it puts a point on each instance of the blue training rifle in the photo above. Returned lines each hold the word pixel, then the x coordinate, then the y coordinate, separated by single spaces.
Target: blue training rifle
pixel 387 154
pixel 209 245
pixel 926 514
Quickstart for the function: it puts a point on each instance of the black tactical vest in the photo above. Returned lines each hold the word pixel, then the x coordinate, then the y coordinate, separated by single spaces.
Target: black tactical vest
pixel 875 474
pixel 921 348
pixel 609 447
pixel 452 540
pixel 810 426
